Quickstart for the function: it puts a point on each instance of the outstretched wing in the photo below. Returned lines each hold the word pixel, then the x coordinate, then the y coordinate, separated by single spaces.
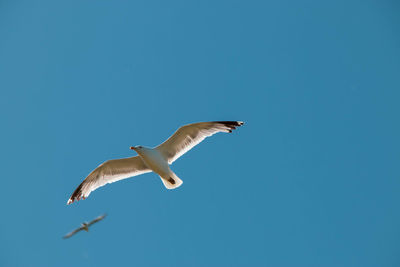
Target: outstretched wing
pixel 109 172
pixel 72 233
pixel 97 219
pixel 188 136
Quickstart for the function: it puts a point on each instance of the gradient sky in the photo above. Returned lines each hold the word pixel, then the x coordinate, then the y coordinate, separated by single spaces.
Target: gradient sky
pixel 311 179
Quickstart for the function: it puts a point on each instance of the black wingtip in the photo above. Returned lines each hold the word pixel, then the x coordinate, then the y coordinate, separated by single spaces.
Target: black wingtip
pixel 76 195
pixel 231 124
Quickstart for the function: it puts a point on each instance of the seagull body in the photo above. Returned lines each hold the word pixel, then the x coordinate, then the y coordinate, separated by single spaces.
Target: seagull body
pixel 85 226
pixel 155 159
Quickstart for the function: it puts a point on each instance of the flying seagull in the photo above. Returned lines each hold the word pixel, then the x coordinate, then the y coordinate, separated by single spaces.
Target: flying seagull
pixel 155 159
pixel 85 226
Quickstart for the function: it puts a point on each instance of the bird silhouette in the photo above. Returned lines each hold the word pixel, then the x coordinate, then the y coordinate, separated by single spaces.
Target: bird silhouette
pixel 85 226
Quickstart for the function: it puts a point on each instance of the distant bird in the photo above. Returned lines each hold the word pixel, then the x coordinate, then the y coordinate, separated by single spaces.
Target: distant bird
pixel 153 159
pixel 85 226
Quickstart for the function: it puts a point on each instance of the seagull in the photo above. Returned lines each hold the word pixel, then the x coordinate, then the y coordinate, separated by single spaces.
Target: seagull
pixel 155 159
pixel 85 226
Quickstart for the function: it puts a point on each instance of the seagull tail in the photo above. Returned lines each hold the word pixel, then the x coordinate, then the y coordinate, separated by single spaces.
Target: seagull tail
pixel 171 181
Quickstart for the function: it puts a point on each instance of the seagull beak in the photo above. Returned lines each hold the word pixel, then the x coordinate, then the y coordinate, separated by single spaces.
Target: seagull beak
pixel 133 148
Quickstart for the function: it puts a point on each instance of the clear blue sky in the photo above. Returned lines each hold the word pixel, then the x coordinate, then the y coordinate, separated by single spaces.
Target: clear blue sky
pixel 312 179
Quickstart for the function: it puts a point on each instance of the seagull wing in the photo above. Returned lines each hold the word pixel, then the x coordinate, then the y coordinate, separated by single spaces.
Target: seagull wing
pixel 109 172
pixel 97 219
pixel 188 136
pixel 73 232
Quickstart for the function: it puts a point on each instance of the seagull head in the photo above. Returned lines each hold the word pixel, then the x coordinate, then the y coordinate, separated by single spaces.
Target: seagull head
pixel 136 148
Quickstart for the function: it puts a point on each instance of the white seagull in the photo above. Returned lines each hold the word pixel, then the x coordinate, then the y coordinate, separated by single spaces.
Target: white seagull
pixel 155 159
pixel 85 226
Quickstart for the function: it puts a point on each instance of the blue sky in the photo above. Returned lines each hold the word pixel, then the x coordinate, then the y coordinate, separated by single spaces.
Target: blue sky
pixel 311 179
